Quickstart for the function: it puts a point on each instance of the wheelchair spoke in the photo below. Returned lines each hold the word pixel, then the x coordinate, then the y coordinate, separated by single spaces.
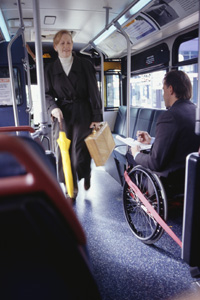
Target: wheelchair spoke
pixel 141 222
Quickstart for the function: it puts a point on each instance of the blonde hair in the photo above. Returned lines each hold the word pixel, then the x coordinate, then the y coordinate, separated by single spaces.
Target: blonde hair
pixel 58 36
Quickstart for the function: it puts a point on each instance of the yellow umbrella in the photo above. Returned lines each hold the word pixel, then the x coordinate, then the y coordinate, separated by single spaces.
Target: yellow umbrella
pixel 64 144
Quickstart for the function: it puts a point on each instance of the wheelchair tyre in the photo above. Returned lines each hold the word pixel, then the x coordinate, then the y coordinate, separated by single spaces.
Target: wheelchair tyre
pixel 142 224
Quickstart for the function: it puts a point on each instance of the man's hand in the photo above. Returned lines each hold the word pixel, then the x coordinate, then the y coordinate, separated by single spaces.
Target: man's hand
pixel 57 113
pixel 143 137
pixel 135 149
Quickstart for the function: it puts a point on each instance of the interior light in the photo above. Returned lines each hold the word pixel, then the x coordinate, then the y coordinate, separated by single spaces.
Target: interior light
pixel 4 28
pixel 132 11
pixel 49 20
pixel 104 35
pixel 123 19
pixel 16 23
pixel 138 6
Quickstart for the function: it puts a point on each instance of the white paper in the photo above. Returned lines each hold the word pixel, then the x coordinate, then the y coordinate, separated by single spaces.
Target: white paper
pixel 131 142
pixel 5 91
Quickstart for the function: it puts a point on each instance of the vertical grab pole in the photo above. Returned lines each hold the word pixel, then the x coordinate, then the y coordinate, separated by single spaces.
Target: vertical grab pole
pixel 197 125
pixel 12 82
pixel 128 96
pixel 102 74
pixel 10 65
pixel 102 79
pixel 26 57
pixel 40 69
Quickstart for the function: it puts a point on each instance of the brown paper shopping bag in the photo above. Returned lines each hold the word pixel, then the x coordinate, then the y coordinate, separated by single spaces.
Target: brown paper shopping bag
pixel 100 144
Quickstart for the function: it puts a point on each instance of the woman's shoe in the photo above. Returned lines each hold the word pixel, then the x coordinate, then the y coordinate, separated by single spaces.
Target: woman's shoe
pixel 87 183
pixel 75 192
pixel 70 200
pixel 73 199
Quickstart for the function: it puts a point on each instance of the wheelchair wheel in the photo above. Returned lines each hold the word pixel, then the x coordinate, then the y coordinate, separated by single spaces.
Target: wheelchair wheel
pixel 141 222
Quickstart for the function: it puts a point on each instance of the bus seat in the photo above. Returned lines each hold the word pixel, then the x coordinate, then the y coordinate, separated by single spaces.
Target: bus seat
pixel 43 251
pixel 119 153
pixel 134 112
pixel 14 168
pixel 156 115
pixel 144 121
pixel 191 222
pixel 119 127
pixel 11 167
pixel 140 119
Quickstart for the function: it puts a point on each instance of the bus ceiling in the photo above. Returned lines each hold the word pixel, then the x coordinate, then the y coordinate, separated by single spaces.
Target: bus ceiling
pixel 93 24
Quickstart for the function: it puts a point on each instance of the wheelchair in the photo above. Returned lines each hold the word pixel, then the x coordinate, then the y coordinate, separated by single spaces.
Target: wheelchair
pixel 140 219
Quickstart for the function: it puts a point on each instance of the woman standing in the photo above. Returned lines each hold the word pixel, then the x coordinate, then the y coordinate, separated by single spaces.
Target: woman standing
pixel 73 99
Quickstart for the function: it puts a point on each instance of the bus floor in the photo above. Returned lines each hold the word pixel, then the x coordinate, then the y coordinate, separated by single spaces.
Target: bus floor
pixel 124 267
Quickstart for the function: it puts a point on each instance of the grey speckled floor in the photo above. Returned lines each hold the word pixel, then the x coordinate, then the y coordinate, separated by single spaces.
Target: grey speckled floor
pixel 124 267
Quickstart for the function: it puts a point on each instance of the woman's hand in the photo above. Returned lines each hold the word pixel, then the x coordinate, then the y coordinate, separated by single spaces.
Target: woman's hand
pixel 57 113
pixel 95 125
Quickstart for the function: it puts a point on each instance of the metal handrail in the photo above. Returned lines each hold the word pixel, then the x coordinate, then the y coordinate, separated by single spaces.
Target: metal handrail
pixel 26 58
pixel 128 96
pixel 20 32
pixel 102 74
pixel 10 67
pixel 107 26
pixel 197 125
pixel 43 129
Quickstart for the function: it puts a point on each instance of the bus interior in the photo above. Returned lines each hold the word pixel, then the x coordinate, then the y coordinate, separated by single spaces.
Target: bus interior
pixel 132 44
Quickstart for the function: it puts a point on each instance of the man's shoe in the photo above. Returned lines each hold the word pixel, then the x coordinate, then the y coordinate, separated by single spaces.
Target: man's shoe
pixel 87 183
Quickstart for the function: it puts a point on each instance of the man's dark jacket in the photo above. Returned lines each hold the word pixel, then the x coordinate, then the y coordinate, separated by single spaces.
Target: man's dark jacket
pixel 175 138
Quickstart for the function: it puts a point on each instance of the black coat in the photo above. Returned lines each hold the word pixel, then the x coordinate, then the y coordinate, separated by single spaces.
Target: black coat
pixel 78 97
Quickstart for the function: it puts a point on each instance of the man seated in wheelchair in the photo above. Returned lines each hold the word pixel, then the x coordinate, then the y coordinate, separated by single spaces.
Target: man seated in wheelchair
pixel 175 136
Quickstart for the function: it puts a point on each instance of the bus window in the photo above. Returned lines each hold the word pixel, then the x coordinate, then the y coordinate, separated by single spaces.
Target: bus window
pixel 192 72
pixel 112 90
pixel 147 72
pixel 98 77
pixel 146 90
pixel 36 100
pixel 5 87
pixel 188 51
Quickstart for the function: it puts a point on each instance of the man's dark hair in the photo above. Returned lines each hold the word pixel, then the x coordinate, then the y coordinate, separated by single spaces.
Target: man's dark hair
pixel 181 84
